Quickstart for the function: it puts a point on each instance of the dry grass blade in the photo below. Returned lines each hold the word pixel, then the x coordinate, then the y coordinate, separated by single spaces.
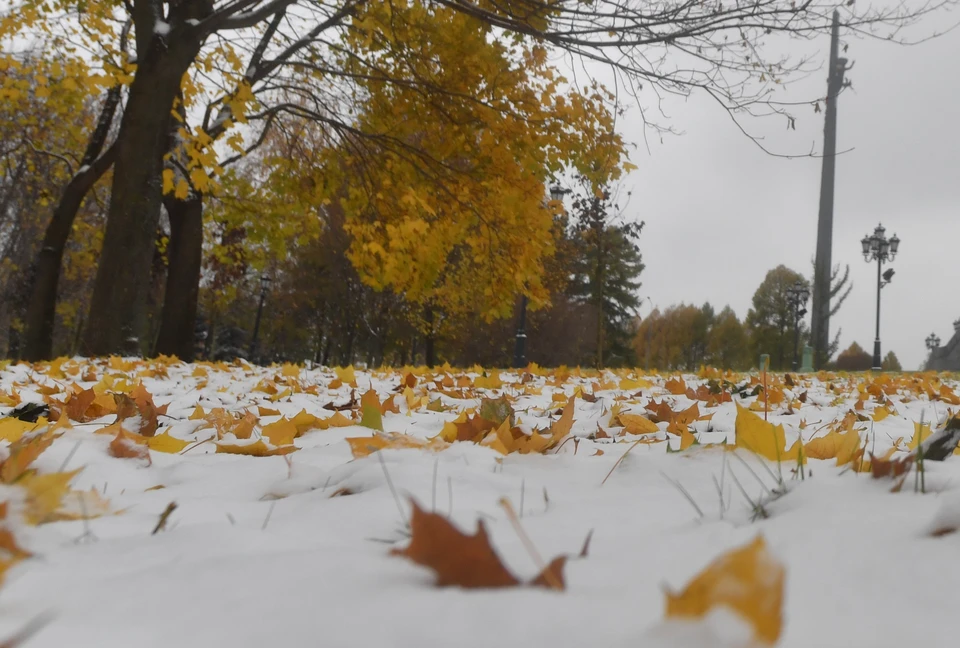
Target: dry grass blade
pixel 548 574
pixel 393 491
pixel 683 491
pixel 27 631
pixel 162 522
pixel 634 445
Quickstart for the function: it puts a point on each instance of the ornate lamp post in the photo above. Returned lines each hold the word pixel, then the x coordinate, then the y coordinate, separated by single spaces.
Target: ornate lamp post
pixel 933 343
pixel 797 296
pixel 265 282
pixel 520 349
pixel 880 249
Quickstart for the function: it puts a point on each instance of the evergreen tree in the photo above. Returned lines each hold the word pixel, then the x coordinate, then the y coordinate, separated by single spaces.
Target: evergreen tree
pixel 605 271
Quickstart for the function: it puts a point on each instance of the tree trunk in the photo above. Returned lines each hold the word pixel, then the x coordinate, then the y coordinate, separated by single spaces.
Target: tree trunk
pixel 428 339
pixel 184 257
pixel 41 311
pixel 119 301
pixel 601 263
pixel 42 308
pixel 327 347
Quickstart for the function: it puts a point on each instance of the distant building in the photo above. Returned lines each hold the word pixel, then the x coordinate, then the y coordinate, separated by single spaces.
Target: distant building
pixel 946 357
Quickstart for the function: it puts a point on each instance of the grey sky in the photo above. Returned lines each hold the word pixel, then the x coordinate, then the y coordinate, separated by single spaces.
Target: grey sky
pixel 720 213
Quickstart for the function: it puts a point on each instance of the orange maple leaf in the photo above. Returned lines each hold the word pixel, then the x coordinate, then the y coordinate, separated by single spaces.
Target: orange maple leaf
pixel 676 386
pixel 126 446
pixel 24 452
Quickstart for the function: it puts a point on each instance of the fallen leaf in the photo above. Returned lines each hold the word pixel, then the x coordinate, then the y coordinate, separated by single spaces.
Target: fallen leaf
pixel 676 386
pixel 474 429
pixel 23 452
pixel 280 433
pixel 45 494
pixel 12 429
pixel 636 424
pixel 759 436
pixel 125 447
pixel 462 560
pixel 258 448
pixel 370 408
pixel 496 410
pixel 364 446
pixel 491 381
pixel 747 580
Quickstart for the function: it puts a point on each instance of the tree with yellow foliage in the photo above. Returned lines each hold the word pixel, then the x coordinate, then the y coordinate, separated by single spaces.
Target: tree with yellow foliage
pixel 676 46
pixel 44 119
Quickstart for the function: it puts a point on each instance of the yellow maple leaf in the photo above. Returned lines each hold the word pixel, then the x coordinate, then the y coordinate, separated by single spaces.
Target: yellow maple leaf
pixel 920 434
pixel 12 429
pixel 849 449
pixel 337 420
pixel 305 422
pixel 759 436
pixel 81 505
pixel 629 384
pixel 364 446
pixel 24 452
pixel 166 443
pixel 281 433
pixel 637 424
pixel 346 375
pixel 45 493
pixel 258 448
pixel 490 381
pixel 825 447
pixel 290 370
pixel 747 580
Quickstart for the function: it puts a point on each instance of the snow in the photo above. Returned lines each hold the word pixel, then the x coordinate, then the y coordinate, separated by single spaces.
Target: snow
pixel 258 553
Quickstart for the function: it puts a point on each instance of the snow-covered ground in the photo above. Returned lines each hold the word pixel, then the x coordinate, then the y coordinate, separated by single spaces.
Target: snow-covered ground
pixel 295 549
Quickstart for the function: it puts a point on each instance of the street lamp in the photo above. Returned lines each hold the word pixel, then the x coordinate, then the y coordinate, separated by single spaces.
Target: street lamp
pixel 265 281
pixel 933 342
pixel 880 249
pixel 520 349
pixel 797 296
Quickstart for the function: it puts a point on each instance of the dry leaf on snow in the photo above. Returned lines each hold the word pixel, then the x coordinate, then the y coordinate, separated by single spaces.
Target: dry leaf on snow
pixel 748 580
pixel 464 560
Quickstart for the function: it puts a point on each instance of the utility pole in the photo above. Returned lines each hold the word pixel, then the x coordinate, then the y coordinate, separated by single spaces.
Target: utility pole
pixel 820 322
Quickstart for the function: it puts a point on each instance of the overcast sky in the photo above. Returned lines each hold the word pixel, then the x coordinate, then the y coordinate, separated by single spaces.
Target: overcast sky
pixel 720 213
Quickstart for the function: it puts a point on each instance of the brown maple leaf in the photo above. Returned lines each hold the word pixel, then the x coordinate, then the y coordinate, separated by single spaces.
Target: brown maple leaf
pixel 465 560
pixel 474 429
pixel 126 446
pixel 884 467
